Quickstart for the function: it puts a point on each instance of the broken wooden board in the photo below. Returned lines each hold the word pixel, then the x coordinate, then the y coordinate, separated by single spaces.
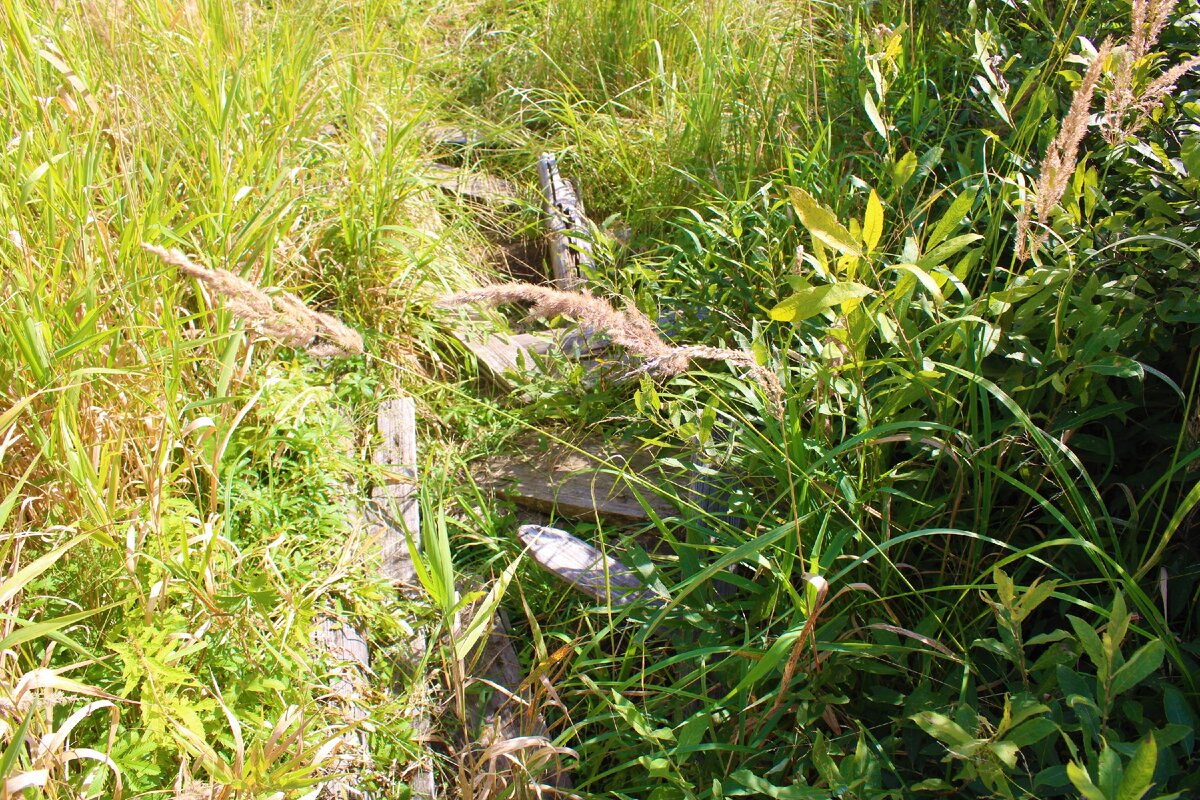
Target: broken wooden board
pixel 589 479
pixel 568 228
pixel 511 358
pixel 394 513
pixel 473 185
pixel 394 517
pixel 583 566
pixel 510 712
pixel 348 648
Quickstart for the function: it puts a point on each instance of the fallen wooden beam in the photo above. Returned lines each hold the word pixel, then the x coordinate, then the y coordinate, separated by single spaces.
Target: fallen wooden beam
pixel 569 230
pixel 394 517
pixel 343 644
pixel 583 566
pixel 473 185
pixel 587 479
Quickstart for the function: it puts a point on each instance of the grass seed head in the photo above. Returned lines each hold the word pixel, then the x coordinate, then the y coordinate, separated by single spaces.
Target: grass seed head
pixel 1062 156
pixel 283 318
pixel 628 328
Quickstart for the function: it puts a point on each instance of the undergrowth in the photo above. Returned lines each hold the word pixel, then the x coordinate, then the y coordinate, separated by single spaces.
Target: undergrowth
pixel 958 560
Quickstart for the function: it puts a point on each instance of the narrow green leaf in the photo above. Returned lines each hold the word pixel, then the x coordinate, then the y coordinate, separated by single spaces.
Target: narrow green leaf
pixel 1091 645
pixel 951 219
pixel 942 728
pixel 811 302
pixel 1139 774
pixel 30 571
pixel 483 612
pixel 1140 666
pixel 822 224
pixel 1083 783
pixel 945 250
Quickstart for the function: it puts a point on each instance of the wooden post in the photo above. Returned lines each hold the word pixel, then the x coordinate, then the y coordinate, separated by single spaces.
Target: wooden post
pixel 570 231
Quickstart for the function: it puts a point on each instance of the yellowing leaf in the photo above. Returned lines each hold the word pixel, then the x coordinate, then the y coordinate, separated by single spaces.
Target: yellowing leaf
pixel 822 224
pixel 873 114
pixel 904 169
pixel 1139 775
pixel 872 227
pixel 810 302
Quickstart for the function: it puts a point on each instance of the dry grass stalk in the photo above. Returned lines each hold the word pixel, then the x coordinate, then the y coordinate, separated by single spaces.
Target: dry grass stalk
pixel 283 318
pixel 630 329
pixel 1148 18
pixel 1061 156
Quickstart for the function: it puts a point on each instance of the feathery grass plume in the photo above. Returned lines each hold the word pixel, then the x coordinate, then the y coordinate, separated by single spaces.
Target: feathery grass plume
pixel 1061 157
pixel 1148 18
pixel 283 317
pixel 630 329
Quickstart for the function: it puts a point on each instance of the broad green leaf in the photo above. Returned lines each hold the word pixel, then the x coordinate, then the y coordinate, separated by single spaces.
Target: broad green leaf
pixel 1140 666
pixel 811 302
pixel 1139 773
pixel 1031 732
pixel 1109 771
pixel 872 227
pixel 951 219
pixel 904 169
pixel 874 115
pixel 822 224
pixel 946 249
pixel 1006 751
pixel 1034 596
pixel 1083 783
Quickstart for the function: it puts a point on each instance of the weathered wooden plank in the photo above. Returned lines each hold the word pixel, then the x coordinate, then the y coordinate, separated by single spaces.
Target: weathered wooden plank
pixel 394 509
pixel 393 512
pixel 589 478
pixel 583 566
pixel 473 185
pixel 567 225
pixel 345 645
pixel 510 357
pixel 510 712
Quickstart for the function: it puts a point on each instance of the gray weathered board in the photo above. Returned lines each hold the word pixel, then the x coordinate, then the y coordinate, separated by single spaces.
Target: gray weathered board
pixel 583 566
pixel 569 230
pixel 510 711
pixel 587 479
pixel 394 511
pixel 473 185
pixel 511 358
pixel 344 645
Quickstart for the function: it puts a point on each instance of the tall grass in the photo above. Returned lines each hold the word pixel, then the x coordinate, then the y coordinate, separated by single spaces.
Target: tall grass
pixel 173 515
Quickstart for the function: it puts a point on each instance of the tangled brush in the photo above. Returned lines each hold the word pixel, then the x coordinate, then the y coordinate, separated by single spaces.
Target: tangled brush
pixel 628 328
pixel 283 317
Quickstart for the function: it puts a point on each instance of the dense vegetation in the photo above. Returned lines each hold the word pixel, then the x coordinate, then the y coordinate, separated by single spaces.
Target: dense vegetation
pixel 961 561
